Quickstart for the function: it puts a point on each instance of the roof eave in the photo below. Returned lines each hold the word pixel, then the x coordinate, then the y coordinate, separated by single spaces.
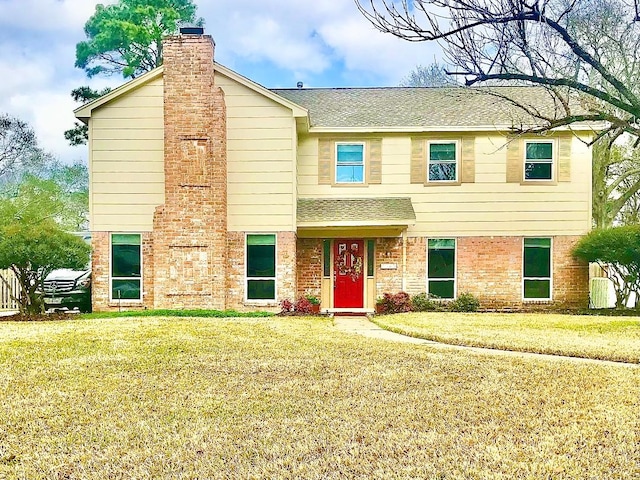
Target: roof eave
pixel 297 110
pixel 83 113
pixel 446 128
pixel 397 223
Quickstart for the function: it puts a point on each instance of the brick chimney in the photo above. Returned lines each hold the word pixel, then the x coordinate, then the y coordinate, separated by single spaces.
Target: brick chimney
pixel 190 229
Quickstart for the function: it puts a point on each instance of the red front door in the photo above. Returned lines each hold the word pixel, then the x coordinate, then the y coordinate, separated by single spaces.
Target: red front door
pixel 348 273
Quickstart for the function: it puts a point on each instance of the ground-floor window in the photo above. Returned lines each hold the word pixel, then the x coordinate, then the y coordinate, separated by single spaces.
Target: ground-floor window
pixel 537 269
pixel 126 266
pixel 441 267
pixel 261 267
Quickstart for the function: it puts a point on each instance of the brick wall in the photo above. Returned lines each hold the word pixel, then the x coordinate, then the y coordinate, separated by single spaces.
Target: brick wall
pixel 570 276
pixel 491 269
pixel 285 272
pixel 416 265
pixel 235 270
pixel 286 265
pixel 389 251
pixel 190 229
pixel 488 267
pixel 309 266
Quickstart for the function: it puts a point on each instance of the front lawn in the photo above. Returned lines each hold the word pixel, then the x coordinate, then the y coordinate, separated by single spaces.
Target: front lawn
pixel 607 338
pixel 288 397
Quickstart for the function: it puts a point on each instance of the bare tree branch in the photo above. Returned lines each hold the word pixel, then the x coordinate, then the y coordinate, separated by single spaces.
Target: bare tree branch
pixel 586 53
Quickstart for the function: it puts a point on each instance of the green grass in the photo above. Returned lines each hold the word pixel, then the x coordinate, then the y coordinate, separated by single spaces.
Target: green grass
pixel 290 397
pixel 177 313
pixel 606 338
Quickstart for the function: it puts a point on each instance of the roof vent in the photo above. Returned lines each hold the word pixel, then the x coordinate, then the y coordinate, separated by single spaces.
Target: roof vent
pixel 191 31
pixel 300 85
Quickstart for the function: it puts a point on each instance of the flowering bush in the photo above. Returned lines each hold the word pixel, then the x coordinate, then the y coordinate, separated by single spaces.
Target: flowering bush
pixel 286 306
pixel 303 305
pixel 398 303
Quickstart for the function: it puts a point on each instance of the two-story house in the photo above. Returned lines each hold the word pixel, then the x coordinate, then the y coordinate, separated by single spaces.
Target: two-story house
pixel 208 190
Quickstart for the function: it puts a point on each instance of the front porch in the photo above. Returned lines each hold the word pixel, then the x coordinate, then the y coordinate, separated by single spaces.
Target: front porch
pixel 349 251
pixel 347 274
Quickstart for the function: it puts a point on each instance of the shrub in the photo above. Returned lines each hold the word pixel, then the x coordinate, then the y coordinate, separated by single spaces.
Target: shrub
pixel 303 305
pixel 466 302
pixel 617 251
pixel 286 306
pixel 398 303
pixel 422 303
pixel 313 300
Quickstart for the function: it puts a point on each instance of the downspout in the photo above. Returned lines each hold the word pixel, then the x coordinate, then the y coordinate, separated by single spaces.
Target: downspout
pixel 404 260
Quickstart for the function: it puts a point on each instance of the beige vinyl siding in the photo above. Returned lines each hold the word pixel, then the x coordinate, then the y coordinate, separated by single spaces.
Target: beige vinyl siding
pixel 127 160
pixel 489 206
pixel 261 150
pixel 127 176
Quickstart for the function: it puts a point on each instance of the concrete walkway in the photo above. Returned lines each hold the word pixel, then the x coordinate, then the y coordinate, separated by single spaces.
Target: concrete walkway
pixel 361 325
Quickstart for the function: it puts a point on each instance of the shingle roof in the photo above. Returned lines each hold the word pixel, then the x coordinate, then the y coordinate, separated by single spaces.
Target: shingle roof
pixel 356 211
pixel 388 107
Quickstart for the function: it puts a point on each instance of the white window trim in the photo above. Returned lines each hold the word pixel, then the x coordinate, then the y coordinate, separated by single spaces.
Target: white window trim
pixel 554 150
pixel 364 161
pixel 259 301
pixel 550 277
pixel 455 269
pixel 443 142
pixel 111 278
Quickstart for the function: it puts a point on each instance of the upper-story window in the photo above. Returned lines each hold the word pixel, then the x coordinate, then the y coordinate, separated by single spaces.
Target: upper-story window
pixel 442 162
pixel 349 162
pixel 538 162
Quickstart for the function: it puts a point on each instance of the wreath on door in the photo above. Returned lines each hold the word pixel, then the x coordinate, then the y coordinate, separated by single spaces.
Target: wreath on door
pixel 349 262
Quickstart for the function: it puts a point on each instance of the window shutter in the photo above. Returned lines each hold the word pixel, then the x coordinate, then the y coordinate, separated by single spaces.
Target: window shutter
pixel 515 161
pixel 375 160
pixel 468 160
pixel 564 159
pixel 418 159
pixel 324 161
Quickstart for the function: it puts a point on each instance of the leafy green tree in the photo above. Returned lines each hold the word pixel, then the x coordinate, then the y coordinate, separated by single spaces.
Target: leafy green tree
pixel 617 251
pixel 61 191
pixel 79 134
pixel 33 241
pixel 126 37
pixel 433 75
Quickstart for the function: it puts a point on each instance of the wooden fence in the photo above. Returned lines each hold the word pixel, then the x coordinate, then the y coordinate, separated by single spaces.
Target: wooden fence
pixel 6 300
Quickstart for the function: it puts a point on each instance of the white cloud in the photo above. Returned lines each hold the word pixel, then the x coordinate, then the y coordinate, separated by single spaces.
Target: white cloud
pixel 47 15
pixel 297 40
pixel 270 41
pixel 309 37
pixel 49 113
pixel 365 49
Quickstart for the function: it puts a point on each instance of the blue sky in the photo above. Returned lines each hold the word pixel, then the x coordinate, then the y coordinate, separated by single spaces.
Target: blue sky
pixel 273 42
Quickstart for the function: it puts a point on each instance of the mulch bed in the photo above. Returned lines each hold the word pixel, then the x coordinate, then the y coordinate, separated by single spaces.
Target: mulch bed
pixel 42 317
